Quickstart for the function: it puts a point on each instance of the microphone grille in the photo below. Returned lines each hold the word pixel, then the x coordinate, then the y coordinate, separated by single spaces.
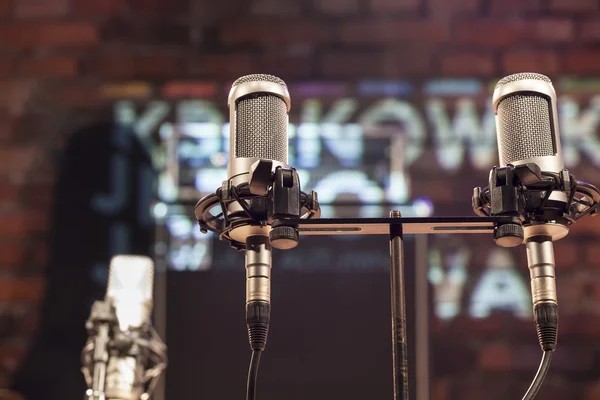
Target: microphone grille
pixel 261 122
pixel 524 122
pixel 258 78
pixel 522 76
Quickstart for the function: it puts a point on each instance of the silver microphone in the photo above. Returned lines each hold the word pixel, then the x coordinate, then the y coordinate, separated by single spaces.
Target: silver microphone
pixel 258 112
pixel 258 115
pixel 527 131
pixel 129 291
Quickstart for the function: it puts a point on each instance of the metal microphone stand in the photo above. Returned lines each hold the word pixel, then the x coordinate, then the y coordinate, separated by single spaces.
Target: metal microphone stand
pixel 396 226
pixel 398 295
pixel 101 322
pixel 282 194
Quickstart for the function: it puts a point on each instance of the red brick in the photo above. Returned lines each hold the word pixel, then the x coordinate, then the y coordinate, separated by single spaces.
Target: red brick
pixel 593 255
pixel 337 6
pixel 496 357
pixel 291 67
pixel 593 391
pixel 12 255
pixel 159 6
pixel 391 31
pixel 38 196
pixel 15 288
pixel 584 62
pixel 127 90
pixel 79 97
pixel 9 194
pixel 276 8
pixel 441 388
pixel 590 29
pixel 41 8
pixel 189 89
pixel 229 66
pixel 14 95
pixel 22 223
pixel 550 30
pixel 448 8
pixel 468 64
pixel 105 7
pixel 386 6
pixel 137 67
pixel 38 256
pixel 276 32
pixel 514 7
pixel 410 61
pixel 56 67
pixel 6 126
pixel 545 62
pixel 501 33
pixel 566 253
pixel 17 158
pixel 56 34
pixel 489 33
pixel 123 31
pixel 4 7
pixel 351 64
pixel 6 68
pixel 577 6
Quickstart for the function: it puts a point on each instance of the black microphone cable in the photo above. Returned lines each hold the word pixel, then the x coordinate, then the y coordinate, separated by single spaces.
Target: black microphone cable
pixel 539 377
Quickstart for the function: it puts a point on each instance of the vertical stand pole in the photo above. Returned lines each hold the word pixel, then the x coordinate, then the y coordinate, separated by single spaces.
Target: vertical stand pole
pixel 399 342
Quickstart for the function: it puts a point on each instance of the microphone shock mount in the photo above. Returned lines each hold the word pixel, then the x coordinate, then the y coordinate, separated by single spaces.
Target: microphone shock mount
pixel 267 200
pixel 538 202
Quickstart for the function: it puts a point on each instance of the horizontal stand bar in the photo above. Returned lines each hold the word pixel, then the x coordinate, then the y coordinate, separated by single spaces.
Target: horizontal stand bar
pixel 410 225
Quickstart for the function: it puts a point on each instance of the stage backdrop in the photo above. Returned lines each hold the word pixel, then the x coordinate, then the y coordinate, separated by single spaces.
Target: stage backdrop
pixel 366 147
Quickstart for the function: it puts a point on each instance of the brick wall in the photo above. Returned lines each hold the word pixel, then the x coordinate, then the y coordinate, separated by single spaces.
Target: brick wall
pixel 59 58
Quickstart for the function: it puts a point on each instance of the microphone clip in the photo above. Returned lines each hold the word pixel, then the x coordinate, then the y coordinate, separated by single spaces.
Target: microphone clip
pixel 534 199
pixel 271 196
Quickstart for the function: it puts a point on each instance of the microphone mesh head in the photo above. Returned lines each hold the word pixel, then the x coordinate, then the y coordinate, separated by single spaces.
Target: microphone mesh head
pixel 261 124
pixel 130 283
pixel 524 122
pixel 522 76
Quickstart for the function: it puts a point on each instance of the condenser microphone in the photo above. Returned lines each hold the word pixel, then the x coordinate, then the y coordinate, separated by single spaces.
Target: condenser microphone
pixel 124 356
pixel 129 291
pixel 528 133
pixel 258 112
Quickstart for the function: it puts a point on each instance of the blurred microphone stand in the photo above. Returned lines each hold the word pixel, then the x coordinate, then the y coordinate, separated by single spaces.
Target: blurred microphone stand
pixel 102 321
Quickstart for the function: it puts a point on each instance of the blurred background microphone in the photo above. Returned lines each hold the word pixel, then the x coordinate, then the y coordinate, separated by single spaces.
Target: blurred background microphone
pixel 124 356
pixel 129 291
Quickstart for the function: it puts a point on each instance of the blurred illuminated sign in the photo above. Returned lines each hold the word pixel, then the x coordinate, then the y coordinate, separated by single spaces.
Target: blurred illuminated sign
pixel 343 137
pixel 356 144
